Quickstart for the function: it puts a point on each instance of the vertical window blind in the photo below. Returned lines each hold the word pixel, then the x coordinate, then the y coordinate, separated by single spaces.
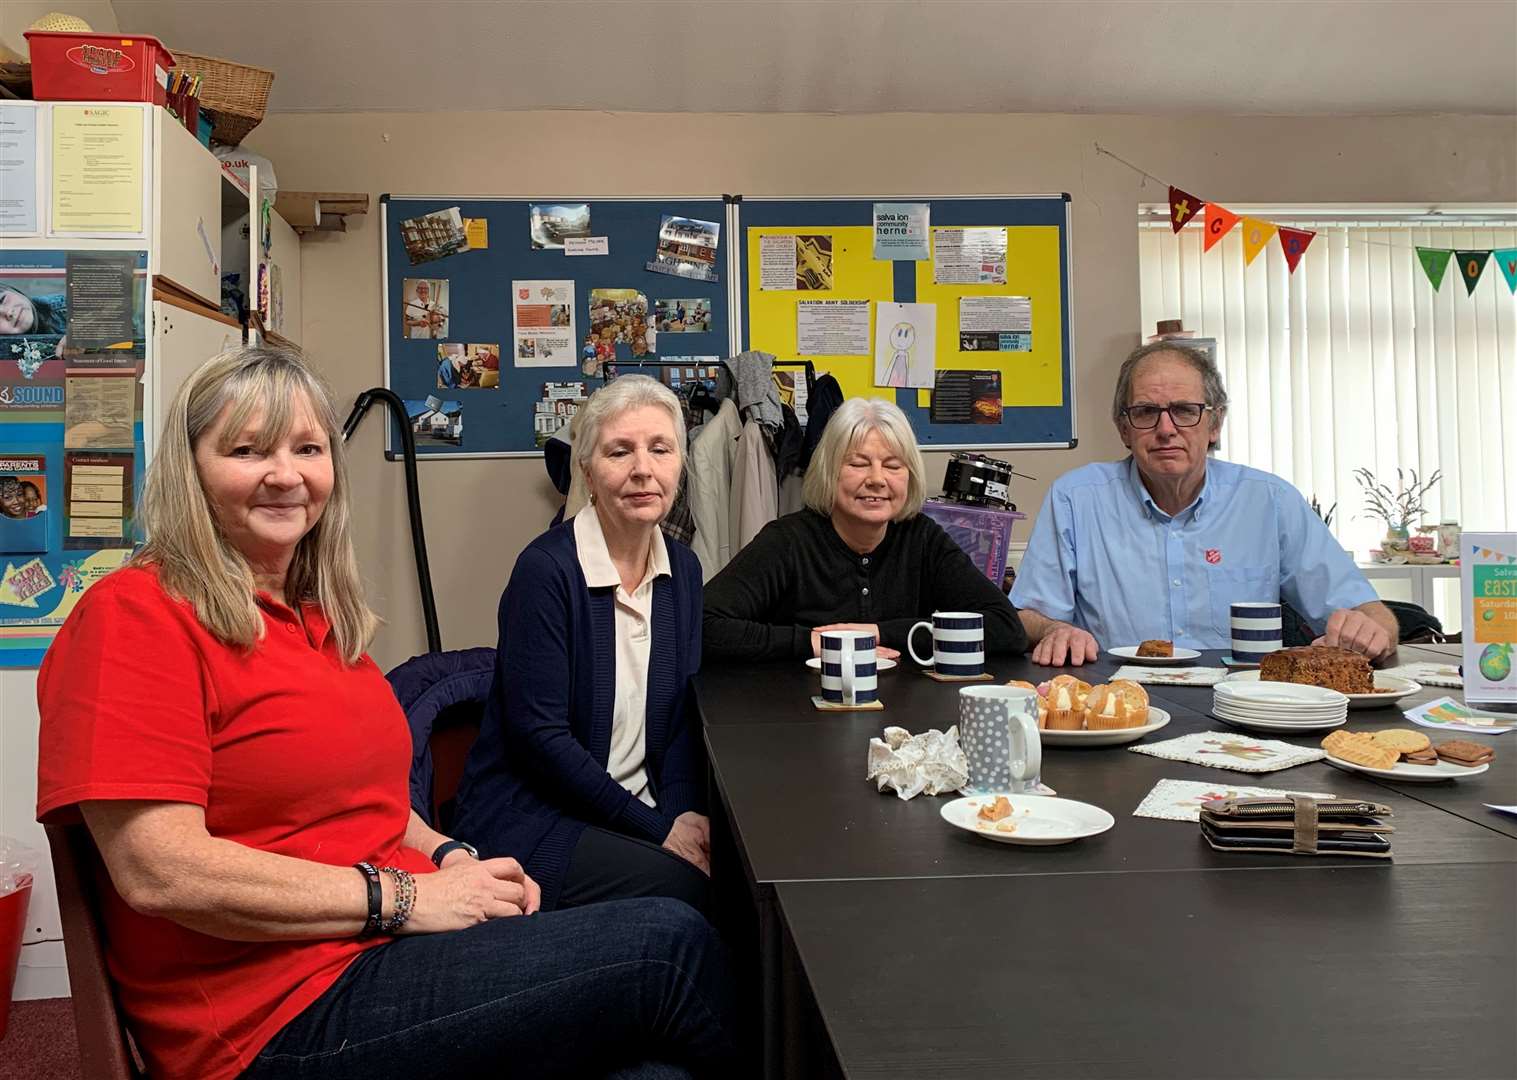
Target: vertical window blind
pixel 1355 361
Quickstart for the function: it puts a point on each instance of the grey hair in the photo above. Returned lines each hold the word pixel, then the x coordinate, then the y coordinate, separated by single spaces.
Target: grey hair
pixel 617 396
pixel 1211 379
pixel 850 425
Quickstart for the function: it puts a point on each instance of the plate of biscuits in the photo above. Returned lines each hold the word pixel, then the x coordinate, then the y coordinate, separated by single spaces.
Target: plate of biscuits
pixel 1156 653
pixel 1403 754
pixel 1072 712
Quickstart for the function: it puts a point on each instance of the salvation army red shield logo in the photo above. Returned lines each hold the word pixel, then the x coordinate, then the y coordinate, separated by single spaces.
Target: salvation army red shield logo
pixel 524 294
pixel 1214 555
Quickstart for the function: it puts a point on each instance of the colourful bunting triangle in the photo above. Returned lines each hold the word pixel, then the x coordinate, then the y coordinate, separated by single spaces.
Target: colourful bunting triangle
pixel 1256 234
pixel 1471 266
pixel 1219 222
pixel 1294 243
pixel 1182 207
pixel 1434 262
pixel 1506 258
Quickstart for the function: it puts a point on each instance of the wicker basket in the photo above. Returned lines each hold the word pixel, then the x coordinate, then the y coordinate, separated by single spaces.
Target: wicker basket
pixel 236 94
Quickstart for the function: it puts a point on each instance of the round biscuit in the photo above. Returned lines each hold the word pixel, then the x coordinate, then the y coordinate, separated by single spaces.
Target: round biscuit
pixel 1403 740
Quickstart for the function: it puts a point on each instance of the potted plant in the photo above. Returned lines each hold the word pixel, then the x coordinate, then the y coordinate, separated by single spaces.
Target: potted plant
pixel 1398 508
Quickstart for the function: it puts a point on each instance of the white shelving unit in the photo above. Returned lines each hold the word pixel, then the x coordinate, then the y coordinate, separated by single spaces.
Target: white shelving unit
pixel 187 198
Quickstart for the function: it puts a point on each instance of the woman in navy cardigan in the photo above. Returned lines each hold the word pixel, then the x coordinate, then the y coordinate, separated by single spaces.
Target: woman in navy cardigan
pixel 585 767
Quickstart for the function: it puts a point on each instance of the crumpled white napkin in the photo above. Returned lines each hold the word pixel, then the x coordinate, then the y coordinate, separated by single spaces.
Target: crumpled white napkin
pixel 909 764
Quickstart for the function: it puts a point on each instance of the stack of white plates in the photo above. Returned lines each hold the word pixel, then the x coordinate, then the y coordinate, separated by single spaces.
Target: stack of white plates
pixel 1280 707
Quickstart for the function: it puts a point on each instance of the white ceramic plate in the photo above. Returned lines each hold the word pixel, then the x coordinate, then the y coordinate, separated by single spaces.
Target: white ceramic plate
pixel 1276 727
pixel 1281 716
pixel 1182 656
pixel 1417 774
pixel 1157 718
pixel 881 665
pixel 1393 689
pixel 1281 695
pixel 1039 819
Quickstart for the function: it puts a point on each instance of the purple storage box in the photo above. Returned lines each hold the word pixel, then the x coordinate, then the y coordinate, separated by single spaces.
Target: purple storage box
pixel 983 533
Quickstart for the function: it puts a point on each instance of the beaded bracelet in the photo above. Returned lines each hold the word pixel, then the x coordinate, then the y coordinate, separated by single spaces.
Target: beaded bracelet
pixel 374 923
pixel 405 898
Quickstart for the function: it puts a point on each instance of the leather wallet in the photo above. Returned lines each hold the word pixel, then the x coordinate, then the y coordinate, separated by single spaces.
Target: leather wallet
pixel 1297 825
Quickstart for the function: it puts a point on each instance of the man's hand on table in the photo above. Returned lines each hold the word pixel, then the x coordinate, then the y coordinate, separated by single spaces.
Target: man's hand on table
pixel 1065 646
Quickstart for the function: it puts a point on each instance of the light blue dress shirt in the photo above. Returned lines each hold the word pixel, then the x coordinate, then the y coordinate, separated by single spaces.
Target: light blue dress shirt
pixel 1103 557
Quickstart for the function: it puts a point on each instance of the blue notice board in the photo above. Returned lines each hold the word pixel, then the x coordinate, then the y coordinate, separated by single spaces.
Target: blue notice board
pixel 438 239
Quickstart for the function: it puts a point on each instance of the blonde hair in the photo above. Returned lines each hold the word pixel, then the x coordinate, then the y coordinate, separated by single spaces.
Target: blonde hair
pixel 193 558
pixel 617 396
pixel 849 426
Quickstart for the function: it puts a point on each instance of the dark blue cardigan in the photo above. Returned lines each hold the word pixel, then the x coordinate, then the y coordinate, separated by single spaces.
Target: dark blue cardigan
pixel 537 774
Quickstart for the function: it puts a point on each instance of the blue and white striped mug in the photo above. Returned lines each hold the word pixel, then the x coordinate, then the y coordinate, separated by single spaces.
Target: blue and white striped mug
pixel 1256 631
pixel 958 643
pixel 849 674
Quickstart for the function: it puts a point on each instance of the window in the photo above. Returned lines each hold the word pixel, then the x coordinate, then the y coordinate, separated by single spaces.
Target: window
pixel 1354 361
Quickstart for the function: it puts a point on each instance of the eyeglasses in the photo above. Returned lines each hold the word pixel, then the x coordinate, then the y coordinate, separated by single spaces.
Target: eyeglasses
pixel 1181 413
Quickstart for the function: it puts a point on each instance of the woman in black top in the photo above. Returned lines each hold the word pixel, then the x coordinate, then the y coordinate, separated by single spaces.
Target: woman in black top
pixel 860 556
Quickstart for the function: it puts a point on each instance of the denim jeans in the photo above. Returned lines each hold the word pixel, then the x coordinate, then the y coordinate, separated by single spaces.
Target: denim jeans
pixel 608 989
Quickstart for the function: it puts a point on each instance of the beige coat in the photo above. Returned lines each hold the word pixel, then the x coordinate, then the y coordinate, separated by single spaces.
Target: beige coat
pixel 713 458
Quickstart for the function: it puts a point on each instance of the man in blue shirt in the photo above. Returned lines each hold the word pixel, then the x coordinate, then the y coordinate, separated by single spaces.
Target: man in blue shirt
pixel 1162 544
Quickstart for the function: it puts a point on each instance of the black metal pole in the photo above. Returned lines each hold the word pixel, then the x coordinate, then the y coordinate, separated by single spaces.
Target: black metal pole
pixel 413 498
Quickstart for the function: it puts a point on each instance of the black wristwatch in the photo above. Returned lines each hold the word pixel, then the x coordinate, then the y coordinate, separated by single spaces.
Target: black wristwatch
pixel 444 849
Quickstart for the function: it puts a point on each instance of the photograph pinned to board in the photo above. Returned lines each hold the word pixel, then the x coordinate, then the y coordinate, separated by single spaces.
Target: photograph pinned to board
pixel 686 248
pixel 683 316
pixel 424 308
pixel 905 344
pixel 452 359
pixel 98 411
pixel 433 236
pixel 832 327
pixel 995 324
pixel 900 231
pixel 97 499
pixel 436 422
pixel 484 363
pixel 23 503
pixel 552 224
pixel 552 412
pixel 543 331
pixel 620 317
pixel 969 256
pixel 966 397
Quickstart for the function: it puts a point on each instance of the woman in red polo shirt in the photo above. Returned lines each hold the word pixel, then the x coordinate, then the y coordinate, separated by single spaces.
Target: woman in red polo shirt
pixel 243 767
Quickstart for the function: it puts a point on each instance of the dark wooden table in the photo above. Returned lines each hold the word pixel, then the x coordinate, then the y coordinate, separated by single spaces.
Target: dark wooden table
pixel 1299 972
pixel 794 813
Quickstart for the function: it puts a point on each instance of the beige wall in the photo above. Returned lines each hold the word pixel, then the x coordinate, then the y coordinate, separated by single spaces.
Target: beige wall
pixel 17 15
pixel 481 513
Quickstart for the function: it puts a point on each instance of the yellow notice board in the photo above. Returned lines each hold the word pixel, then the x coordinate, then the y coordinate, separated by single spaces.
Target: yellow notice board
pixel 1027 297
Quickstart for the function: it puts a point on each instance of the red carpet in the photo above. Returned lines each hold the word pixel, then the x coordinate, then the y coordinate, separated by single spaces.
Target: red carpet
pixel 40 1043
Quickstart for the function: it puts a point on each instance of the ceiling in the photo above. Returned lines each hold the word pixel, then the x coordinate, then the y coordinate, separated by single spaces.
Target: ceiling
pixel 1285 57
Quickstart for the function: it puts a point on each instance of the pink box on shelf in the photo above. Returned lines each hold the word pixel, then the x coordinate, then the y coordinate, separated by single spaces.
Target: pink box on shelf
pixel 984 533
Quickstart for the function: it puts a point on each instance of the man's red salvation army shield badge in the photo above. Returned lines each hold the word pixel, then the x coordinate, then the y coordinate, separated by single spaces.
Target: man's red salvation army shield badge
pixel 1214 555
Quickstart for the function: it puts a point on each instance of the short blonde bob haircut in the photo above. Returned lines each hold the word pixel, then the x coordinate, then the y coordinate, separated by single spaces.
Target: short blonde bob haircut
pixel 617 396
pixel 194 560
pixel 849 426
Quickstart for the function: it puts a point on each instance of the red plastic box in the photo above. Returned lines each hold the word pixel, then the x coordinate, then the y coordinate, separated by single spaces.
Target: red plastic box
pixel 98 67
